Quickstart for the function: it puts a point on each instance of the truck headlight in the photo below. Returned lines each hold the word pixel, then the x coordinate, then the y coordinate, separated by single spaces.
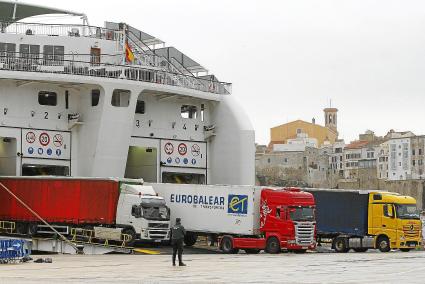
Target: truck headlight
pixel 291 241
pixel 402 238
pixel 146 233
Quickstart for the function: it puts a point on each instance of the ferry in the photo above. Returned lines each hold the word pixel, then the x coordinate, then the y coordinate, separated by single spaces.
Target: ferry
pixel 113 101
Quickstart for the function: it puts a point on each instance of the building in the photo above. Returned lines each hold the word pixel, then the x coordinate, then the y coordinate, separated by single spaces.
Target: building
pixel 291 130
pixel 399 159
pixel 382 162
pixel 336 158
pixel 361 156
pixel 418 157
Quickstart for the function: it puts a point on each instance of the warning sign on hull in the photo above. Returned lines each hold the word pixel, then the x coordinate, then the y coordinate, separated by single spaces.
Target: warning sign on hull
pixel 184 154
pixel 46 144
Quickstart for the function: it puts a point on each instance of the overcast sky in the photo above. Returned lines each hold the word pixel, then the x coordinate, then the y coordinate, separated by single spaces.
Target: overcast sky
pixel 288 59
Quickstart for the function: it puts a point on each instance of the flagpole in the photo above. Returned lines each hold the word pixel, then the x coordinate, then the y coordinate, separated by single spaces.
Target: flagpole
pixel 124 50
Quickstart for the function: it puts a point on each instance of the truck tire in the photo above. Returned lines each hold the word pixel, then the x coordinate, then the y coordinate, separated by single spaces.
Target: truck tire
pixel 405 249
pixel 340 245
pixel 130 231
pixel 252 251
pixel 383 244
pixel 190 239
pixel 226 245
pixel 360 249
pixel 273 245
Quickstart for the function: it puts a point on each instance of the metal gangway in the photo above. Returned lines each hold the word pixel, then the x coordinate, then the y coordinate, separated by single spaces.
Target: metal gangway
pixel 80 241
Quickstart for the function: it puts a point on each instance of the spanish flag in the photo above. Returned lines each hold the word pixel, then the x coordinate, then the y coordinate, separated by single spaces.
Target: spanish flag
pixel 129 56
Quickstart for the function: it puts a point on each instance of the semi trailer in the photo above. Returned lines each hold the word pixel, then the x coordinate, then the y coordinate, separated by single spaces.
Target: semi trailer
pixel 86 203
pixel 362 220
pixel 243 217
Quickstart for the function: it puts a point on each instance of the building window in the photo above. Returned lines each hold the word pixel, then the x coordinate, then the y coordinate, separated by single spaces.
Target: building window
pixel 420 151
pixel 414 162
pixel 46 98
pixel 140 107
pixel 268 160
pixel 413 152
pixel 95 96
pixel 299 131
pixel 189 111
pixel 53 55
pixel 120 98
pixel 420 162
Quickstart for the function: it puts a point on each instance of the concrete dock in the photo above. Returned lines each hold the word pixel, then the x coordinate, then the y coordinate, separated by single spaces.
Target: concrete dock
pixel 376 267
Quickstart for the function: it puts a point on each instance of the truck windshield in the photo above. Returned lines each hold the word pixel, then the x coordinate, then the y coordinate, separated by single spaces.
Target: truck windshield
pixel 301 213
pixel 407 211
pixel 156 213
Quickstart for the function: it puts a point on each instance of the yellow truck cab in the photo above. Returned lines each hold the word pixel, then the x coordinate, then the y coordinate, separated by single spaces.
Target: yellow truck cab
pixel 394 221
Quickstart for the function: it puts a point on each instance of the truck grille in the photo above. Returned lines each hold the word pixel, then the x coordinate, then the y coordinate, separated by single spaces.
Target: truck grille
pixel 158 234
pixel 304 233
pixel 411 231
pixel 158 225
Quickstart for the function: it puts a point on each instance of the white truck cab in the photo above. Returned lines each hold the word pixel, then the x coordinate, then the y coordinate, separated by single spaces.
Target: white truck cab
pixel 140 208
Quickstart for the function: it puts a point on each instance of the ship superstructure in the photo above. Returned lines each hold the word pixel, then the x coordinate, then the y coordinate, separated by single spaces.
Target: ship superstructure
pixel 107 101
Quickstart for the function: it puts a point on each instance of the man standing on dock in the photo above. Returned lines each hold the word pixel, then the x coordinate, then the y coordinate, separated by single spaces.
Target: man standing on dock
pixel 177 236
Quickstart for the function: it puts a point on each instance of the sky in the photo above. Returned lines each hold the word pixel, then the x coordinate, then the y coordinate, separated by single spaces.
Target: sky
pixel 289 59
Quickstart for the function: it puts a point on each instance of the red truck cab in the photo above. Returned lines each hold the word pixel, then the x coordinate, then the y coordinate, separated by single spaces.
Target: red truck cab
pixel 287 221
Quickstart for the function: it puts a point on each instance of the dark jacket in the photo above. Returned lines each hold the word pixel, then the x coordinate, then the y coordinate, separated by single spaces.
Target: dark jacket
pixel 177 232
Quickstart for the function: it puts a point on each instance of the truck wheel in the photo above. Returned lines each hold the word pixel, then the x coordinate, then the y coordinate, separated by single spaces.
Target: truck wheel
pixel 360 249
pixel 132 234
pixel 190 239
pixel 405 249
pixel 383 244
pixel 273 245
pixel 252 251
pixel 21 228
pixel 226 245
pixel 340 245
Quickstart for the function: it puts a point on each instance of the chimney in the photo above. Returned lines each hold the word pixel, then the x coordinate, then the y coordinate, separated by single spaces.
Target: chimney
pixel 313 121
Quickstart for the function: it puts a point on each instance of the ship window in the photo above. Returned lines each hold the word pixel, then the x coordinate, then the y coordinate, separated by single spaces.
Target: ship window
pixel 8 49
pixel 66 99
pixel 46 98
pixel 53 55
pixel 202 112
pixel 120 98
pixel 95 95
pixel 29 51
pixel 140 107
pixel 189 111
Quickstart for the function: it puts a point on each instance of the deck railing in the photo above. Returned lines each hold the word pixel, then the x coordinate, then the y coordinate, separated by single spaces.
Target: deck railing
pixel 107 66
pixel 60 30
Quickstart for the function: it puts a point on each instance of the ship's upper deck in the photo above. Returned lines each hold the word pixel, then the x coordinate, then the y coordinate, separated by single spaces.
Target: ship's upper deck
pixel 95 51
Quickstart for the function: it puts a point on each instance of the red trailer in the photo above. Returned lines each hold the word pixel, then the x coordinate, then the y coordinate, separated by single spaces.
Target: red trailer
pixel 68 201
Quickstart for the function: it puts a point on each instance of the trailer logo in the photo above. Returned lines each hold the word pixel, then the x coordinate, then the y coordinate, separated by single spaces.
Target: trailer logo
pixel 238 204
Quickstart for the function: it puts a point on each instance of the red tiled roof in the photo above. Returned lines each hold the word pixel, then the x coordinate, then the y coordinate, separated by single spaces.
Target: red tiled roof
pixel 357 144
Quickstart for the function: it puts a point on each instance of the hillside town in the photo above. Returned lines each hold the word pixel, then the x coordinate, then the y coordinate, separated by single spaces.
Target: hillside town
pixel 307 154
